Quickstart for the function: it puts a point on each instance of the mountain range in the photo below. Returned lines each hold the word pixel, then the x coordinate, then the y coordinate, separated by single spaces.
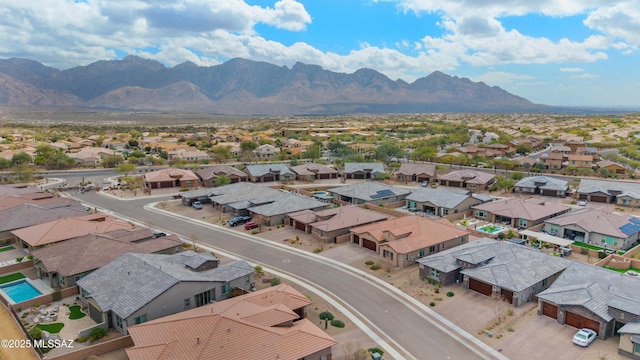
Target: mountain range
pixel 244 87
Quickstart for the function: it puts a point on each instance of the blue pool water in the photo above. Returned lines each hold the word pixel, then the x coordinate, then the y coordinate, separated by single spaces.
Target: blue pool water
pixel 20 291
pixel 487 229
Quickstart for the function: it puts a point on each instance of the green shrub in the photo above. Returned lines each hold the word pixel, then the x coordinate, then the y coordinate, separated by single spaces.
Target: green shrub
pixel 376 350
pixel 510 329
pixel 437 291
pixel 325 315
pixel 602 254
pixel 375 267
pixel 337 323
pixel 97 333
pixel 510 312
pixel 317 250
pixel 29 257
pixel 35 333
pixel 19 259
pixel 255 232
pixel 82 339
pixel 432 304
pixel 369 262
pixel 450 294
pixel 258 269
pixel 275 281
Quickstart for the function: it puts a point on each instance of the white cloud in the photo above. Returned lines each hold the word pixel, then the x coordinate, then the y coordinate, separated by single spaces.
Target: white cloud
pixel 571 70
pixel 584 76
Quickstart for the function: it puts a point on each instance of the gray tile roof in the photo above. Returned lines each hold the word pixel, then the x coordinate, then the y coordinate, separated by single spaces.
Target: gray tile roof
pixel 417 169
pixel 630 328
pixel 25 215
pixel 365 190
pixel 542 182
pixel 263 169
pixel 593 288
pixel 133 280
pixel 194 194
pixel 442 198
pixel 373 168
pixel 284 203
pixel 591 186
pixel 599 221
pixel 446 261
pixel 211 172
pixel 241 191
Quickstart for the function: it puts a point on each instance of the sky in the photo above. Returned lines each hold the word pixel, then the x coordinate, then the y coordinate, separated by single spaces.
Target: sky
pixel 554 52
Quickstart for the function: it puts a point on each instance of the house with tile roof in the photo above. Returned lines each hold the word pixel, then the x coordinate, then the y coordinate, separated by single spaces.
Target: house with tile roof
pixel 518 213
pixel 47 233
pixel 613 167
pixel 587 296
pixel 18 189
pixel 416 173
pixel 170 177
pixel 629 345
pixel 369 192
pixel 314 171
pixel 362 170
pixel 9 201
pixel 209 174
pixel 581 161
pixel 404 240
pixel 266 151
pixel 235 197
pixel 541 185
pixel 25 215
pixel 501 269
pixel 333 225
pixel 136 288
pixel 64 263
pixel 442 202
pixel 552 160
pixel 624 193
pixel 601 227
pixel 272 210
pixel 269 172
pixel 269 321
pixel 467 179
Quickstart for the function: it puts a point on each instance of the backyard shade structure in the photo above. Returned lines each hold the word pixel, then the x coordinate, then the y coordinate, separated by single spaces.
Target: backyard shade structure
pixel 546 238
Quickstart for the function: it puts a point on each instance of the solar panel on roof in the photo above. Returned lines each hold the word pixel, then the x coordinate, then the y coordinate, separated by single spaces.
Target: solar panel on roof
pixel 635 220
pixel 630 229
pixel 382 193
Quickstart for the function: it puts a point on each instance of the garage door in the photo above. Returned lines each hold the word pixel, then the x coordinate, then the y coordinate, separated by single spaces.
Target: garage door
pixel 301 226
pixel 580 322
pixel 479 286
pixel 549 192
pixel 369 244
pixel 507 295
pixel 268 178
pixel 550 310
pixel 601 199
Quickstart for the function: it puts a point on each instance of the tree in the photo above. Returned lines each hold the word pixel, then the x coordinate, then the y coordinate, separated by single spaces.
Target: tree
pixel 517 175
pixel 313 152
pixel 4 164
pixel 387 149
pixel 112 161
pixel 52 158
pixel 125 169
pixel 221 180
pixel 21 158
pixel 248 145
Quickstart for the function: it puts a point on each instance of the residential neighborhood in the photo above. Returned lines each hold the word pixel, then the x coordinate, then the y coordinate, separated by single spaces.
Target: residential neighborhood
pixel 470 225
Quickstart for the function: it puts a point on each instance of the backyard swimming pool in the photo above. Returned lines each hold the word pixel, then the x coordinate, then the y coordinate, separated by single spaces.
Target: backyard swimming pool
pixel 20 291
pixel 491 229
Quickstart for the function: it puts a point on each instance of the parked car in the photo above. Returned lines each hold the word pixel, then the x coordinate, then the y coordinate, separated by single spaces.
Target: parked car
pixel 584 337
pixel 196 205
pixel 238 220
pixel 582 202
pixel 425 183
pixel 158 234
pixel 251 225
pixel 414 209
pixel 177 196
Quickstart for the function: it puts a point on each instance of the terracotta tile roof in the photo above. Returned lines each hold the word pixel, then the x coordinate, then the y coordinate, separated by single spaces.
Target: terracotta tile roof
pixel 25 215
pixel 68 228
pixel 312 169
pixel 211 172
pixel 531 209
pixel 233 329
pixel 90 252
pixel 346 217
pixel 417 169
pixel 10 201
pixel 170 174
pixel 416 232
pixel 470 176
pixel 17 189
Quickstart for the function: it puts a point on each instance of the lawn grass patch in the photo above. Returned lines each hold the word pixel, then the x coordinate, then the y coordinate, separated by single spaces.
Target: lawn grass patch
pixel 76 313
pixel 623 270
pixel 588 246
pixel 51 328
pixel 11 277
pixel 7 248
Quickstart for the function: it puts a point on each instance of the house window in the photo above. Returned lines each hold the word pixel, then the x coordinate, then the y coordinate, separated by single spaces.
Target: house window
pixel 118 320
pixel 445 212
pixel 432 249
pixel 608 240
pixel 421 253
pixel 203 298
pixel 406 257
pixel 434 273
pixel 187 182
pixel 187 303
pixel 522 223
pixel 636 348
pixel 141 319
pixel 463 239
pixel 481 214
pixel 626 201
pixel 387 254
pixel 61 281
pixel 247 279
pixel 226 288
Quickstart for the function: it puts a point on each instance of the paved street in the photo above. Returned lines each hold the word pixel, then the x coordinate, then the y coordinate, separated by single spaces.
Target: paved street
pixel 413 330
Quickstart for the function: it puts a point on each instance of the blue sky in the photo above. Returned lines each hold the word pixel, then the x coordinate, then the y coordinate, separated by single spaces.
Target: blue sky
pixel 555 52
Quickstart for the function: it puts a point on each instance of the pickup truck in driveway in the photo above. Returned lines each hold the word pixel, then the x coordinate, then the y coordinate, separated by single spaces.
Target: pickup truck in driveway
pixel 238 220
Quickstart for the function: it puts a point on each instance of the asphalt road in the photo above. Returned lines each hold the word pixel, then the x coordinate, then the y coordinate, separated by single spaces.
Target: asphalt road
pixel 414 331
